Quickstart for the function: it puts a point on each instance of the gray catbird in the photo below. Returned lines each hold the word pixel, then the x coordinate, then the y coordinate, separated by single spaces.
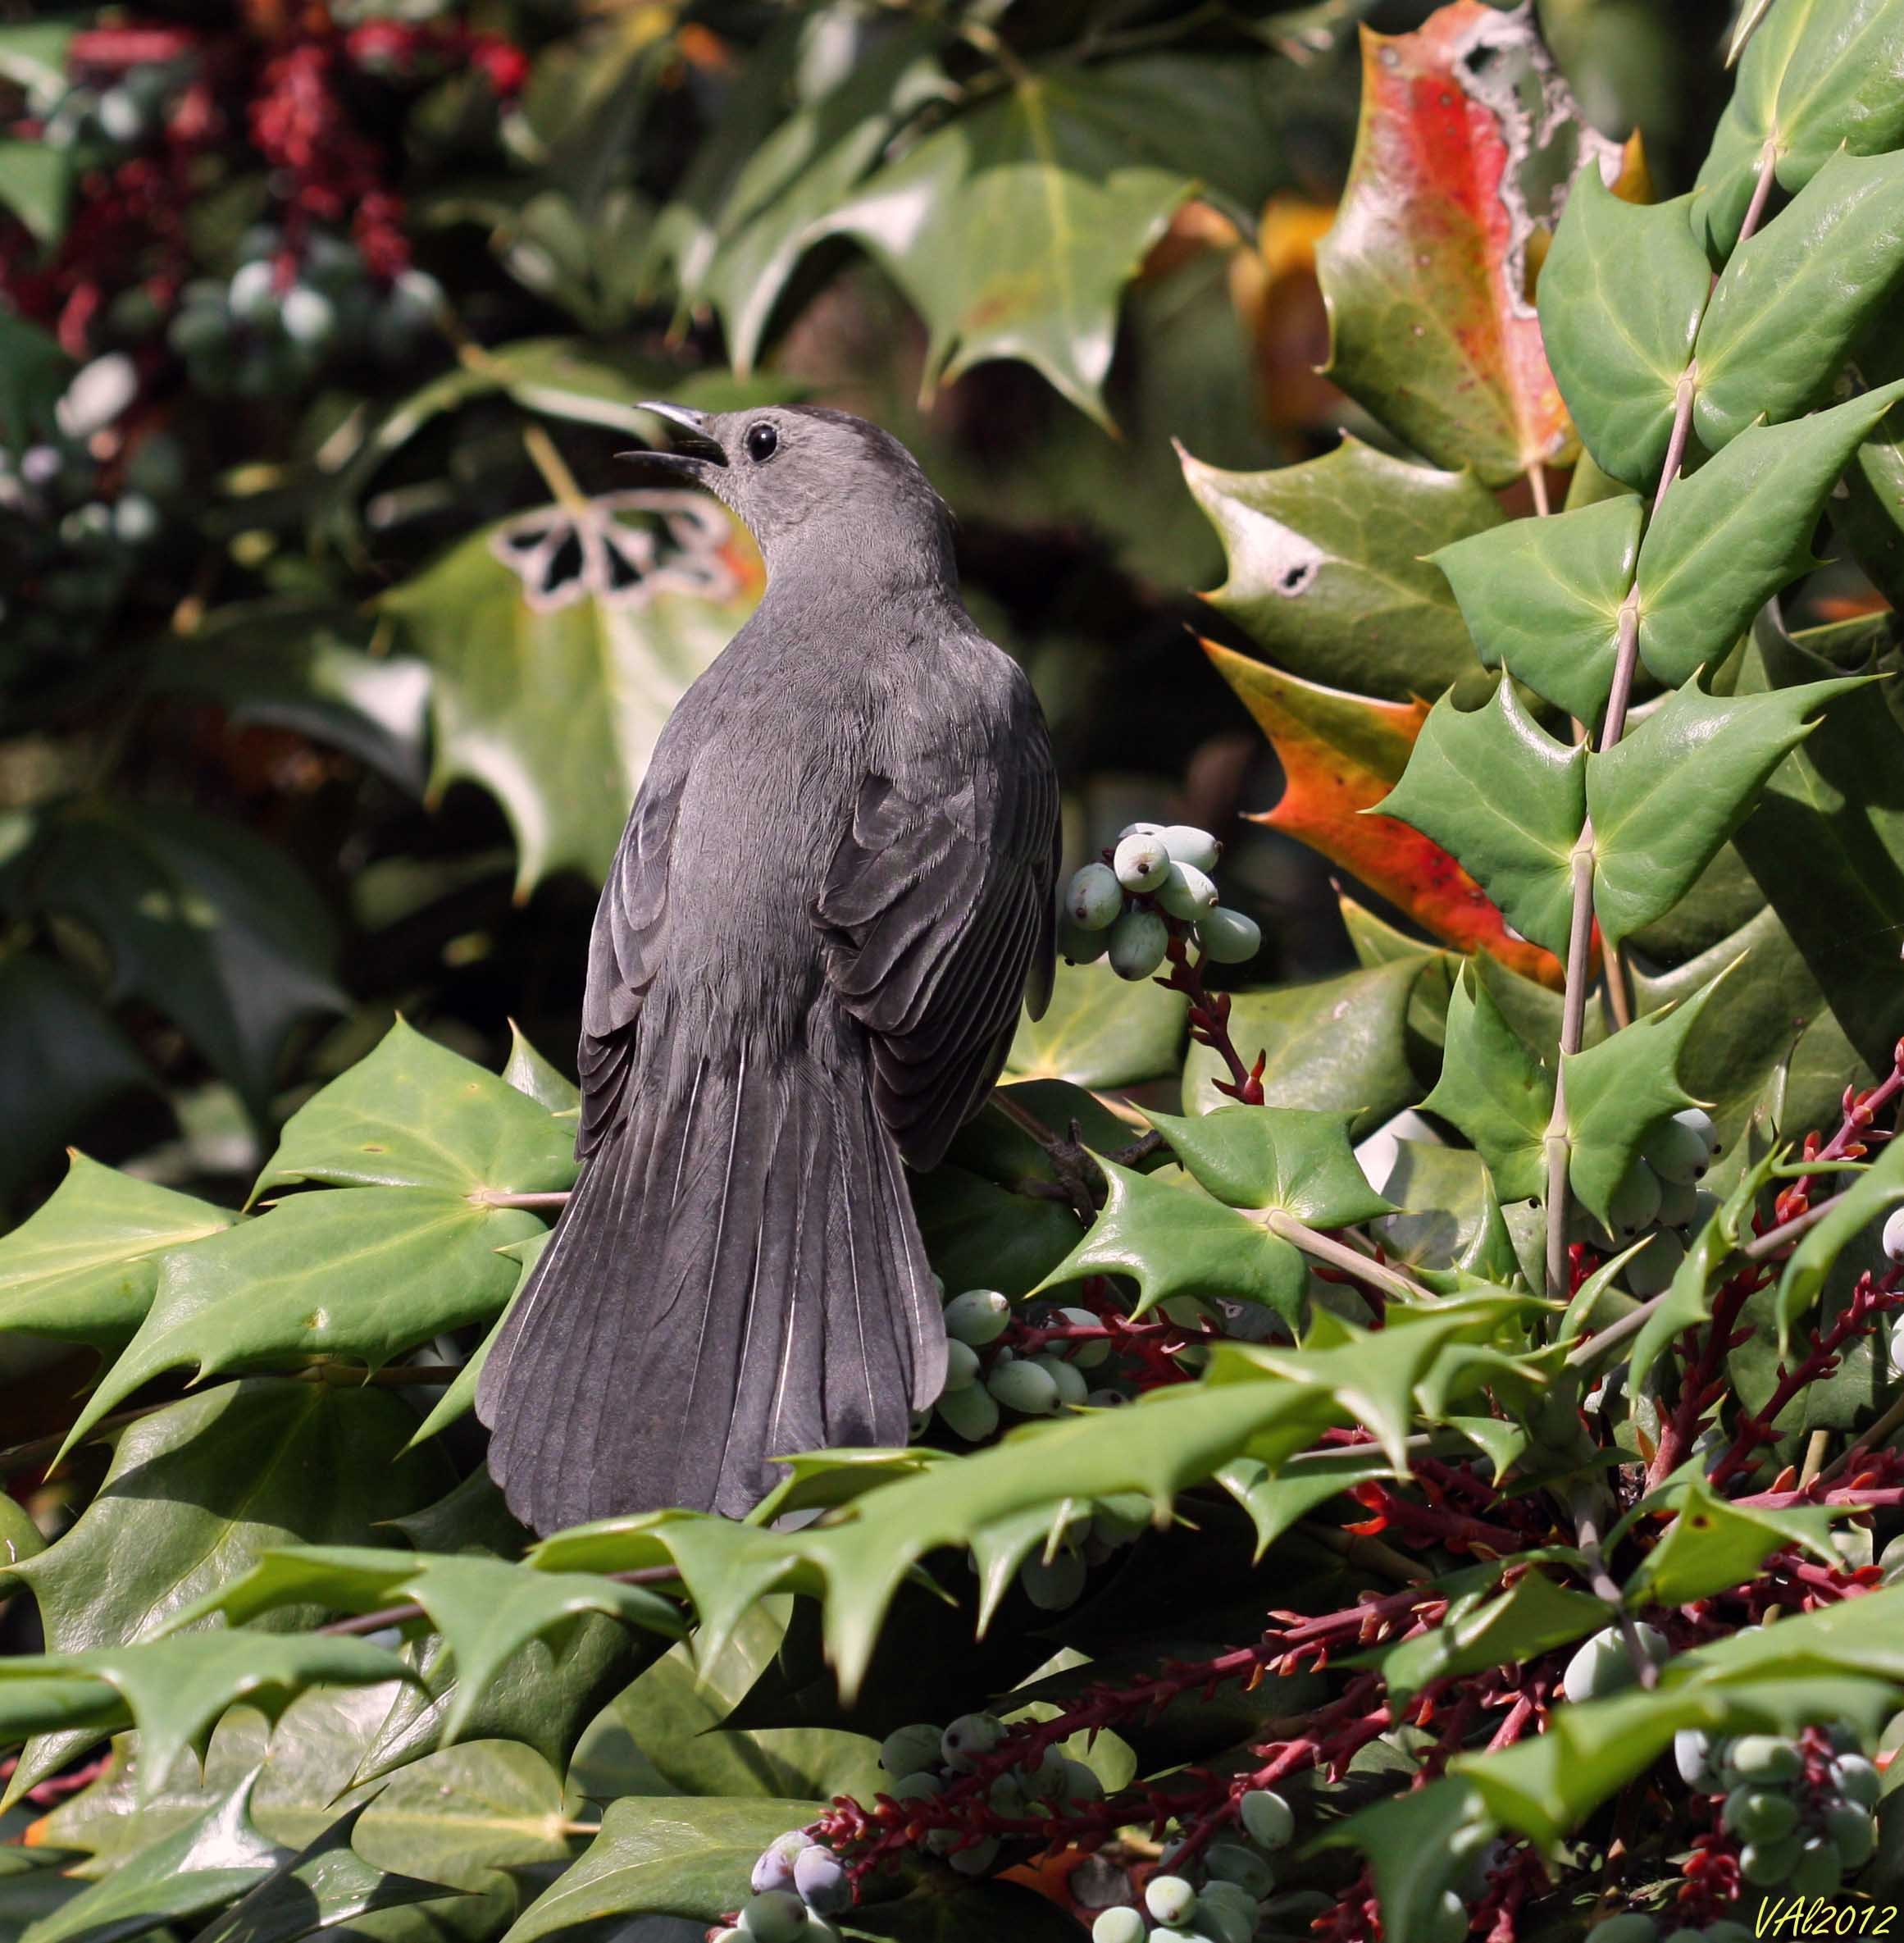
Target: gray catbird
pixel 834 891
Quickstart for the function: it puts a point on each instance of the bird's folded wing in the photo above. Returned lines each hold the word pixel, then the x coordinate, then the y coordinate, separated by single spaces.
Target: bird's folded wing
pixel 937 917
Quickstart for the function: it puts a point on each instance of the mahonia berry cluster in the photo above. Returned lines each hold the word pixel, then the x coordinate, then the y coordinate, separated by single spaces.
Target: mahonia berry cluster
pixel 1659 1201
pixel 1121 907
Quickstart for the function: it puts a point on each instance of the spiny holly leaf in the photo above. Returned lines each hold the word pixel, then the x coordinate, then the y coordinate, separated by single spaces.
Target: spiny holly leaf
pixel 1618 1092
pixel 530 1072
pixel 1335 1046
pixel 1794 297
pixel 1532 1617
pixel 415 1114
pixel 1869 1199
pixel 1502 797
pixel 1340 754
pixel 1712 1545
pixel 1327 565
pixel 1099 1030
pixel 323 1886
pixel 1286 1157
pixel 1442 345
pixel 1621 295
pixel 662 1856
pixel 1726 539
pixel 1665 799
pixel 84 1267
pixel 199 1490
pixel 1495 1090
pixel 1014 229
pixel 1542 598
pixel 1420 1846
pixel 204 920
pixel 176 1689
pixel 58 1703
pixel 1173 1239
pixel 1817 74
pixel 559 640
pixel 365 1273
pixel 459 1399
pixel 194 1870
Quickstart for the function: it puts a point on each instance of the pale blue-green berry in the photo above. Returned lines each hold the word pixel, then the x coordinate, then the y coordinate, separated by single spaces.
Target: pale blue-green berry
pixel 778 1916
pixel 1687 1935
pixel 1227 937
pixel 1764 1757
pixel 1055 1586
pixel 971 1413
pixel 199 329
pixel 1227 1909
pixel 1857 1779
pixel 1819 1869
pixel 1138 942
pixel 1766 1864
pixel 1601 1665
pixel 1725 1930
pixel 1071 1387
pixel 1186 844
pixel 961 1365
pixel 917 1787
pixel 775 1869
pixel 134 519
pixel 1042 1777
pixel 976 1859
pixel 1170 1898
pixel 978 1317
pixel 1186 893
pixel 1852 1832
pixel 1635 1204
pixel 1024 1386
pixel 1077 1782
pixel 308 316
pixel 1231 1862
pixel 1266 1818
pixel 911 1750
pixel 1095 899
pixel 1121 1925
pixel 1141 862
pixel 1893 1237
pixel 1139 830
pixel 1678 1202
pixel 1632 1928
pixel 969 1739
pixel 252 294
pixel 1759 1814
pixel 1079 946
pixel 1107 1399
pixel 1651 1272
pixel 1007 1795
pixel 820 1878
pixel 1682 1148
pixel 1692 1756
pixel 1085 1355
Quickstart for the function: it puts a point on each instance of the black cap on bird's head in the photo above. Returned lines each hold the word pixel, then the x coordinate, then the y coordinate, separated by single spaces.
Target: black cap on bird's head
pixel 814 485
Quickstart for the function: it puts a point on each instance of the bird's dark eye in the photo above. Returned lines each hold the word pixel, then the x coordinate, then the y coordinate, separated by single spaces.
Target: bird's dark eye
pixel 762 442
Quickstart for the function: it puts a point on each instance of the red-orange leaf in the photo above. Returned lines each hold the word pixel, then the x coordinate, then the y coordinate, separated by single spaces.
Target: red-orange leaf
pixel 1341 753
pixel 1467 142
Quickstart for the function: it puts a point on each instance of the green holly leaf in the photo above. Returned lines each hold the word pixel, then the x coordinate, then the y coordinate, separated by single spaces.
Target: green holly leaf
pixel 1712 1545
pixel 34 373
pixel 1618 1092
pixel 1621 294
pixel 1495 790
pixel 83 1267
pixel 1534 1617
pixel 667 1855
pixel 1420 1846
pixel 322 1887
pixel 459 1399
pixel 1276 1156
pixel 36 185
pixel 1868 1201
pixel 1276 1500
pixel 1794 297
pixel 530 1072
pixel 1336 1044
pixel 1817 74
pixel 198 1491
pixel 550 691
pixel 1727 537
pixel 364 1273
pixel 1663 800
pixel 1328 568
pixel 1100 1030
pixel 1173 1239
pixel 415 1114
pixel 1495 1091
pixel 1542 598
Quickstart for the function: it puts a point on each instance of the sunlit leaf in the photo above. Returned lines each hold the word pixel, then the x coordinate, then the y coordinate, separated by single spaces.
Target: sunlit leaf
pixel 1276 1156
pixel 1532 1617
pixel 1100 1030
pixel 1868 1200
pixel 1711 1546
pixel 1495 1091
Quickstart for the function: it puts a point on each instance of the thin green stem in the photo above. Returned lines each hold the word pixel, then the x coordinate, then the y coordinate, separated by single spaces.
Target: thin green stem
pixel 1339 1254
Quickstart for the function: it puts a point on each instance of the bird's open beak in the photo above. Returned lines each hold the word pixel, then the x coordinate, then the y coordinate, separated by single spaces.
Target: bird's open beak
pixel 696 447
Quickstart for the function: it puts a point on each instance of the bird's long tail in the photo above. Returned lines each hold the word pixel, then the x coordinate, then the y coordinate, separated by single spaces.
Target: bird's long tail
pixel 737 1276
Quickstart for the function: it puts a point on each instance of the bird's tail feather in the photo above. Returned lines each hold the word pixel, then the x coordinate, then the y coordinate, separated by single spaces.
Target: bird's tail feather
pixel 737 1276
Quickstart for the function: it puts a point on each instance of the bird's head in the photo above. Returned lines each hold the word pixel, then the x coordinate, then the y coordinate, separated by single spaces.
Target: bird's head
pixel 817 488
